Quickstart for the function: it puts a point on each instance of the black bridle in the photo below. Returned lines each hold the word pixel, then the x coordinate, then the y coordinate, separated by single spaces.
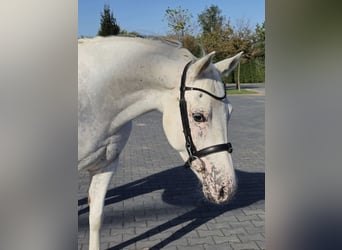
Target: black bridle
pixel 189 144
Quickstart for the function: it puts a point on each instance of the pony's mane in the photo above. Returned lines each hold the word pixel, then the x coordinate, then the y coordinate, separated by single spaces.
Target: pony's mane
pixel 165 40
pixel 163 43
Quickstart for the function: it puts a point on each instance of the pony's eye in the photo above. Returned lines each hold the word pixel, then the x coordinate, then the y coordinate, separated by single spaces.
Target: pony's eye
pixel 198 117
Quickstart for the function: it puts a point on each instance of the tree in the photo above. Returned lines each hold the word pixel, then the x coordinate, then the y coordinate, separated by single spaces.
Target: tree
pixel 191 43
pixel 242 41
pixel 178 21
pixel 227 40
pixel 242 38
pixel 211 19
pixel 259 41
pixel 108 26
pixel 259 50
pixel 215 34
pixel 218 40
pixel 124 32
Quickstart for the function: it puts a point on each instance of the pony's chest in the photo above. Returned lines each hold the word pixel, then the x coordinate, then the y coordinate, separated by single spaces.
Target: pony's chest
pixel 106 150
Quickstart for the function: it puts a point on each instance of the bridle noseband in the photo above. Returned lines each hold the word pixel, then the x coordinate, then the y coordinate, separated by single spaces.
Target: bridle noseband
pixel 189 144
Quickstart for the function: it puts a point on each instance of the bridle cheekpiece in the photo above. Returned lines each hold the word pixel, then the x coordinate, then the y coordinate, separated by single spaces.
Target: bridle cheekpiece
pixel 189 144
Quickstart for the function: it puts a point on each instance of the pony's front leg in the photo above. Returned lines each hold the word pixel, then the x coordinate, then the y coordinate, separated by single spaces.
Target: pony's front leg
pixel 97 191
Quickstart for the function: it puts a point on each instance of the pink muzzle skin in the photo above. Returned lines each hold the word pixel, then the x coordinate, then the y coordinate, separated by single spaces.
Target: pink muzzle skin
pixel 217 187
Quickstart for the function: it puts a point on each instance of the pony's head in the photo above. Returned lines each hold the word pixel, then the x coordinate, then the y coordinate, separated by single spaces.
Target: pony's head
pixel 205 117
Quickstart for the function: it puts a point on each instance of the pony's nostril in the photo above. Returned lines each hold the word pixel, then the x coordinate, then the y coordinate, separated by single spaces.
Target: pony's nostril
pixel 222 192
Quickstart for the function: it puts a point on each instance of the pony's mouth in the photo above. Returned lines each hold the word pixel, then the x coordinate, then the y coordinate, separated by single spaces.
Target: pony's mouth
pixel 217 187
pixel 218 194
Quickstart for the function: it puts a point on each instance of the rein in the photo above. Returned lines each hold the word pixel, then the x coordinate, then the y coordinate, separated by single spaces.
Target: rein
pixel 189 144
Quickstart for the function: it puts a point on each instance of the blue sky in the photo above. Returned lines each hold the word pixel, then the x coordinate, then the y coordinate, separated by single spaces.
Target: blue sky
pixel 146 17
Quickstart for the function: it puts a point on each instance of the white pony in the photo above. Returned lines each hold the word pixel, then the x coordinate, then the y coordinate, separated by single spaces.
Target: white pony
pixel 122 78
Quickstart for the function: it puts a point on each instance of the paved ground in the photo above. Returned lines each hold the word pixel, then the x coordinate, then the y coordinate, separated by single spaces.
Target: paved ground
pixel 155 203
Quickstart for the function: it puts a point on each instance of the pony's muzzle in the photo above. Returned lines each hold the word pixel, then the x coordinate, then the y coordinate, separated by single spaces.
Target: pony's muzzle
pixel 218 187
pixel 221 195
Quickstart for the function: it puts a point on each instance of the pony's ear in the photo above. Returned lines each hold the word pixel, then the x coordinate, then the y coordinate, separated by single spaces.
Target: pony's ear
pixel 202 64
pixel 228 65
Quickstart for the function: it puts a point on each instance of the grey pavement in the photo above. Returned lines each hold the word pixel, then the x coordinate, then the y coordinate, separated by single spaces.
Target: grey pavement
pixel 153 202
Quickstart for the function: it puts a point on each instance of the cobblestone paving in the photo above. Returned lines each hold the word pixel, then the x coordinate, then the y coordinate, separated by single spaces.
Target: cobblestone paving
pixel 155 203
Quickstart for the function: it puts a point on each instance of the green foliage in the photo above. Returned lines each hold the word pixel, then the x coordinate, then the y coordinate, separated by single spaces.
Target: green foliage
pixel 226 40
pixel 252 67
pixel 218 40
pixel 250 72
pixel 215 36
pixel 241 40
pixel 259 41
pixel 211 19
pixel 108 26
pixel 178 21
pixel 191 43
pixel 124 32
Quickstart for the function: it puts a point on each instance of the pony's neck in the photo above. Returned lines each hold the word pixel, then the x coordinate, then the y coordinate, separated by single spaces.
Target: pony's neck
pixel 134 105
pixel 148 90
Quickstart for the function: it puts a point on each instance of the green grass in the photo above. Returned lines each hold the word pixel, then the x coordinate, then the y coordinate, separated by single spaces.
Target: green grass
pixel 241 92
